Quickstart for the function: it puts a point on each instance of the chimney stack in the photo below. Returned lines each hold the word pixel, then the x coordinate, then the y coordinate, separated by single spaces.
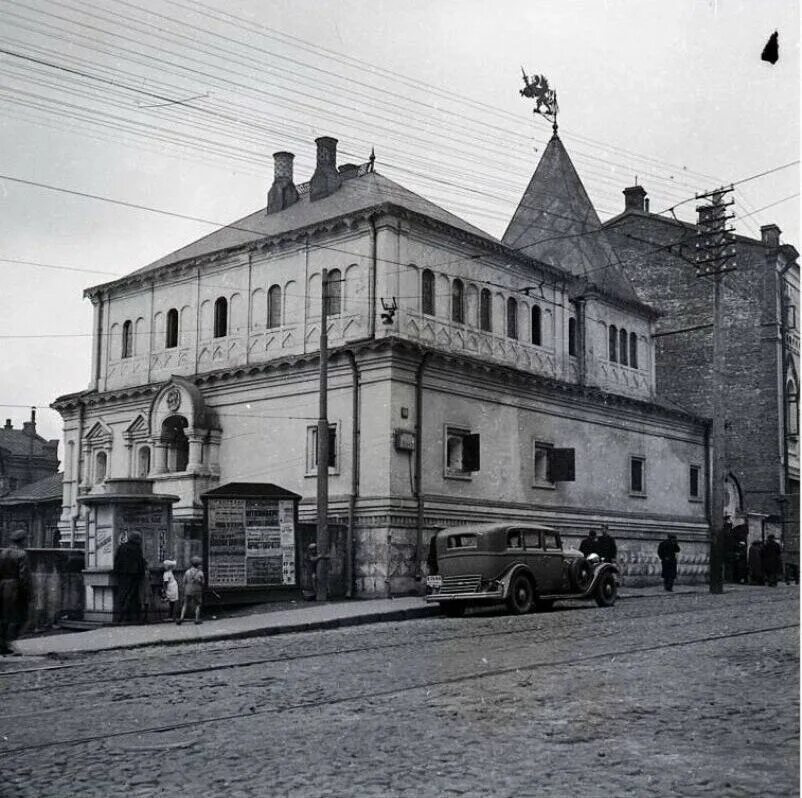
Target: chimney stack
pixel 8 425
pixel 29 427
pixel 282 193
pixel 635 199
pixel 770 235
pixel 326 179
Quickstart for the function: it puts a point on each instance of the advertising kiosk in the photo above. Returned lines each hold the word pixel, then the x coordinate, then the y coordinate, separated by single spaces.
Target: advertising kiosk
pixel 251 550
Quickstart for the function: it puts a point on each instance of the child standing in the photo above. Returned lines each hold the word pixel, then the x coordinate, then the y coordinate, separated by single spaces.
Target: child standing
pixel 170 587
pixel 193 590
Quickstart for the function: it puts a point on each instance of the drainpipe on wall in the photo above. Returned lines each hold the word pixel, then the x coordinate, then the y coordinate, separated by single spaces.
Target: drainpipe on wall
pixel 580 338
pixel 372 279
pixel 419 461
pixel 708 473
pixel 355 442
pixel 74 513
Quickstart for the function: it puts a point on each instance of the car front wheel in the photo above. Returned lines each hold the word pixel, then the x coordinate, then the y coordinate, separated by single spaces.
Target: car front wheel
pixel 521 596
pixel 607 591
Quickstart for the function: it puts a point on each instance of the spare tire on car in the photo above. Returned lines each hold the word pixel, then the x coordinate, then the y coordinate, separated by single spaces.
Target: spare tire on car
pixel 580 573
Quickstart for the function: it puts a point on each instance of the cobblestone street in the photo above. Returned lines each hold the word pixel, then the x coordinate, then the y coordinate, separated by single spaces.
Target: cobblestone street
pixel 682 695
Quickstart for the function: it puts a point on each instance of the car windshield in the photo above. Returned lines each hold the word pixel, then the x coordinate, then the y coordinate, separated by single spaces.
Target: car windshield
pixel 461 542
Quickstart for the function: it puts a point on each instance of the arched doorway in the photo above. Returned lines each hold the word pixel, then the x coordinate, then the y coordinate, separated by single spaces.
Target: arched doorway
pixel 177 443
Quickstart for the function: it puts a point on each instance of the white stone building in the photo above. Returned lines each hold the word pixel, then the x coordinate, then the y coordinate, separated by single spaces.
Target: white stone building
pixel 489 395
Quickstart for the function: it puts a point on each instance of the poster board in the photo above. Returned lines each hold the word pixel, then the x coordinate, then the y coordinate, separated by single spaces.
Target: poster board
pixel 251 542
pixel 151 521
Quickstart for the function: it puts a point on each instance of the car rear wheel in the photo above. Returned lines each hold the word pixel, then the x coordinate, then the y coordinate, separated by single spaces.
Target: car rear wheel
pixel 521 596
pixel 453 609
pixel 607 591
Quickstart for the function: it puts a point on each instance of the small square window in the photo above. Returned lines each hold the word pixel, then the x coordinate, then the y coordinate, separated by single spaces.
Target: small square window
pixel 311 449
pixel 637 476
pixel 694 487
pixel 461 452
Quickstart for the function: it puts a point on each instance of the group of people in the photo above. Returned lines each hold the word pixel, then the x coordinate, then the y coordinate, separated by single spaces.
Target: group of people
pixel 764 562
pixel 133 584
pixel 604 546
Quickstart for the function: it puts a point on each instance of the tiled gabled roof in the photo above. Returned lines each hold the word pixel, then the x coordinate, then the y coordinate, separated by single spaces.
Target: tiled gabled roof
pixel 43 490
pixel 360 190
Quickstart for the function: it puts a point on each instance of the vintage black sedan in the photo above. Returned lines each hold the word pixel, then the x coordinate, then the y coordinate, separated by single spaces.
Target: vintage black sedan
pixel 522 565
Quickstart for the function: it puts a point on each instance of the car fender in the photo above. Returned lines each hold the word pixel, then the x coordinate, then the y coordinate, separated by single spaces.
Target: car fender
pixel 601 570
pixel 506 578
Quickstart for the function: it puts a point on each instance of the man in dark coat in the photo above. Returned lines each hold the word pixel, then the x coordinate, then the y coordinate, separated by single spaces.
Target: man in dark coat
pixel 667 552
pixel 589 544
pixel 129 568
pixel 755 561
pixel 15 589
pixel 606 546
pixel 772 560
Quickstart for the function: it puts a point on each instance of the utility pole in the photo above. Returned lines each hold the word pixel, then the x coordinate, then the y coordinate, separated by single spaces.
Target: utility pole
pixel 714 251
pixel 323 451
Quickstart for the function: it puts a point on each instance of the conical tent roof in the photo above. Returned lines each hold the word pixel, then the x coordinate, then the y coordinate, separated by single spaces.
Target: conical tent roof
pixel 556 222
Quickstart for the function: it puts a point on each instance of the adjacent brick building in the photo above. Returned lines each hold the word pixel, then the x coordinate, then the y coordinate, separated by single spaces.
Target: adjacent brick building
pixel 761 383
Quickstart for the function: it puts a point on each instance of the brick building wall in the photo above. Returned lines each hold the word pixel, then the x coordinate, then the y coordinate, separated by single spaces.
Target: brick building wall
pixel 657 254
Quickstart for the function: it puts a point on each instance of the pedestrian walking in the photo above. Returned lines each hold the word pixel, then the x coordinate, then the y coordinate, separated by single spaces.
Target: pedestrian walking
pixel 170 588
pixel 193 590
pixel 772 560
pixel 606 547
pixel 130 569
pixel 755 562
pixel 667 552
pixel 15 590
pixel 589 545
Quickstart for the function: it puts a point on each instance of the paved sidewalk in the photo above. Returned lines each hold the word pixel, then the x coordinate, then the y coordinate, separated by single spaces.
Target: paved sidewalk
pixel 305 617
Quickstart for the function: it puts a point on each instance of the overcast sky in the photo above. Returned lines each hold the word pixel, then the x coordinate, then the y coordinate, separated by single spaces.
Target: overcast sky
pixel 671 93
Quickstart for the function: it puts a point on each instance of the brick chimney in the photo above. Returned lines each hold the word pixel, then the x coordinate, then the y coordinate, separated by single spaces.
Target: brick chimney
pixel 29 427
pixel 326 179
pixel 770 235
pixel 635 199
pixel 8 425
pixel 282 193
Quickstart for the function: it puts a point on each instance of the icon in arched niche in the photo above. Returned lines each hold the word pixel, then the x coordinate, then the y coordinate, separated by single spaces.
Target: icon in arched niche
pixel 185 431
pixel 173 399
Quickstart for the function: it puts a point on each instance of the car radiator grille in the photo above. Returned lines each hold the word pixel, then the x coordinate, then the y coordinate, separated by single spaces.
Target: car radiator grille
pixel 461 584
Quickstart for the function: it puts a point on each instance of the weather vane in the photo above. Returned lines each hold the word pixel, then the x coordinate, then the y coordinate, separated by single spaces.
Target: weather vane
pixel 537 88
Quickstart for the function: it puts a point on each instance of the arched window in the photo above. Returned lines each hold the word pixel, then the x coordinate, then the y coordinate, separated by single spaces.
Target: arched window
pixel 427 292
pixel 171 333
pixel 221 317
pixel 101 462
pixel 334 292
pixel 622 349
pixel 486 310
pixel 512 318
pixel 572 336
pixel 458 302
pixel 633 350
pixel 537 336
pixel 792 398
pixel 274 306
pixel 128 340
pixel 613 343
pixel 143 462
